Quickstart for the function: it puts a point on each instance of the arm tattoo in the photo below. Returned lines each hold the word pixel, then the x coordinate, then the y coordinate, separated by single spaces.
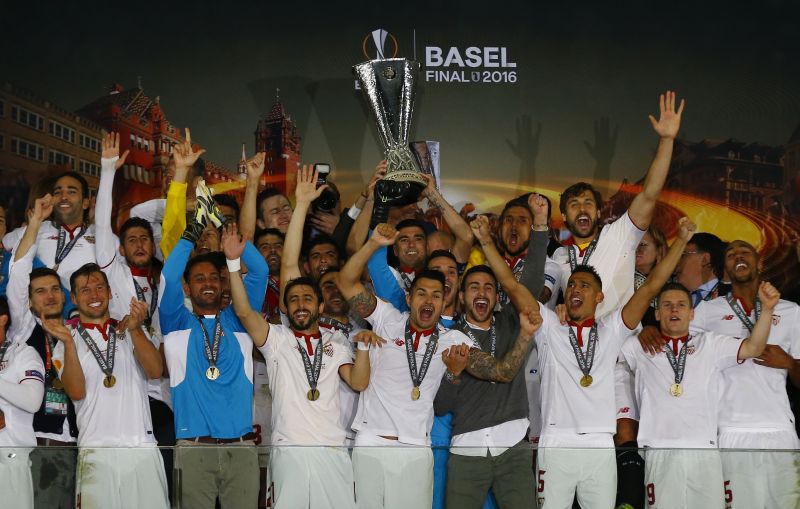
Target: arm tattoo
pixel 482 365
pixel 363 303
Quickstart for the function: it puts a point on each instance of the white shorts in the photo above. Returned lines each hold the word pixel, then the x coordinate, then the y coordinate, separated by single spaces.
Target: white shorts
pixel 391 475
pixel 303 477
pixel 16 483
pixel 121 478
pixel 685 478
pixel 760 479
pixel 585 465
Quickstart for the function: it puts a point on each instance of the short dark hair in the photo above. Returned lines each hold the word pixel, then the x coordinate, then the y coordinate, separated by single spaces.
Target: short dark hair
pixel 228 201
pixel 477 269
pixel 135 222
pixel 577 190
pixel 86 270
pixel 427 274
pixel 588 269
pixel 265 195
pixel 673 286
pixel 301 281
pixel 407 223
pixel 5 311
pixel 213 258
pixel 715 247
pixel 441 253
pixel 260 232
pixel 318 240
pixel 519 201
pixel 77 176
pixel 39 273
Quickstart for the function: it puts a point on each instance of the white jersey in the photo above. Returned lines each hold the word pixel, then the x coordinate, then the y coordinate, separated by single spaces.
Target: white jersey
pixel 533 382
pixel 753 396
pixel 690 420
pixel 553 276
pixel 295 419
pixel 81 253
pixel 20 364
pixel 614 258
pixel 348 398
pixel 385 408
pixel 117 416
pixel 567 407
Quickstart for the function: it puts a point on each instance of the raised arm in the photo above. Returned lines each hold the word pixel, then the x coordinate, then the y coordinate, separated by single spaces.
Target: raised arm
pixel 532 276
pixel 305 192
pixel 106 243
pixel 147 355
pixel 520 296
pixel 361 300
pixel 458 226
pixel 175 211
pixel 233 245
pixel 248 214
pixel 755 344
pixel 71 374
pixel 637 305
pixel 667 126
pixel 358 233
pixel 170 303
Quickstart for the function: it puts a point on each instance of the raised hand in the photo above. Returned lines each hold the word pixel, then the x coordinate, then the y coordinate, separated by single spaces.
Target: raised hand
pixel 669 120
pixel 110 144
pixel 384 234
pixel 481 229
pixel 255 166
pixel 538 205
pixel 379 173
pixel 368 338
pixel 42 208
pixel 769 295
pixel 232 243
pixel 605 143
pixel 324 221
pixel 184 155
pixel 456 358
pixel 430 188
pixel 136 317
pixel 529 321
pixel 56 328
pixel 686 228
pixel 306 190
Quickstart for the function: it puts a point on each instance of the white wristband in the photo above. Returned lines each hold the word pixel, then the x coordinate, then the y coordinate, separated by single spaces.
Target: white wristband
pixel 353 212
pixel 364 347
pixel 234 265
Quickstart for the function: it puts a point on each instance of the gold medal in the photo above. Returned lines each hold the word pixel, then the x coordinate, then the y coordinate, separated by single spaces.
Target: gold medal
pixel 109 381
pixel 57 384
pixel 676 390
pixel 313 394
pixel 212 373
pixel 586 380
pixel 415 393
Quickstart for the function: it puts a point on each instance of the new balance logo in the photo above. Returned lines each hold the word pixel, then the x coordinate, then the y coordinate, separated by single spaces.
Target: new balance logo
pixel 727 317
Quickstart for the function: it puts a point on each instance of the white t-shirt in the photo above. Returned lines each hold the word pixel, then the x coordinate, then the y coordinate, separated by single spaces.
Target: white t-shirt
pixel 348 398
pixel 753 396
pixel 117 416
pixel 688 421
pixel 614 258
pixel 385 408
pixel 82 251
pixel 21 363
pixel 295 419
pixel 568 408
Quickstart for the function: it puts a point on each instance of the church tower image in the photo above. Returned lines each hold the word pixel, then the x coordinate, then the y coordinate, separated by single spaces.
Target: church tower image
pixel 276 134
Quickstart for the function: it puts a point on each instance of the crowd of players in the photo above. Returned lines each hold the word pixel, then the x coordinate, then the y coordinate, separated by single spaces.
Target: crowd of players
pixel 433 361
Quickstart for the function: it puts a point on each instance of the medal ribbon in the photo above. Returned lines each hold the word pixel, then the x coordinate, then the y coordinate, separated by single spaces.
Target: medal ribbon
pixel 679 364
pixel 346 328
pixel 106 364
pixel 4 349
pixel 406 280
pixel 573 258
pixel 740 314
pixel 153 300
pixel 211 349
pixel 416 379
pixel 467 329
pixel 63 250
pixel 312 374
pixel 585 362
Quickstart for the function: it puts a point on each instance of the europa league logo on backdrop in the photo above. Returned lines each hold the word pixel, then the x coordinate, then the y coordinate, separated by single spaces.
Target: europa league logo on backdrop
pixel 380 44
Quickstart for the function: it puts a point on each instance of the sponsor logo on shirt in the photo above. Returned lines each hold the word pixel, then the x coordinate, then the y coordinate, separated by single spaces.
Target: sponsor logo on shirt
pixel 89 238
pixel 399 342
pixel 34 374
pixel 624 410
pixel 727 317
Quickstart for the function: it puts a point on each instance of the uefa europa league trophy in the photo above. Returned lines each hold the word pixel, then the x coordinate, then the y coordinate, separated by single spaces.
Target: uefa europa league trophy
pixel 389 86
